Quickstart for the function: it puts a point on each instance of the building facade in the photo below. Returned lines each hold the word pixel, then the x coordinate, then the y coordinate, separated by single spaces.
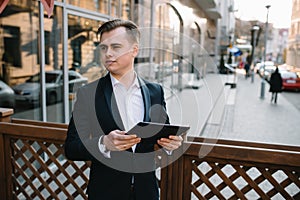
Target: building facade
pixel 31 43
pixel 293 51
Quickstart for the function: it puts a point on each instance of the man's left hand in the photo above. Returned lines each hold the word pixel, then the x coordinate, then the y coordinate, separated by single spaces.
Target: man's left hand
pixel 171 143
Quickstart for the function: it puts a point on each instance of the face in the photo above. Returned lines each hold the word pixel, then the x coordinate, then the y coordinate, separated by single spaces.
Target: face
pixel 118 52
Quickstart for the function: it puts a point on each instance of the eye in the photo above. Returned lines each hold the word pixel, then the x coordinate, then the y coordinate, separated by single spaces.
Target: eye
pixel 103 47
pixel 116 46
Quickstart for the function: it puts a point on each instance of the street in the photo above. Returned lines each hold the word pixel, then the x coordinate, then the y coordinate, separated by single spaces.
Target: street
pixel 292 97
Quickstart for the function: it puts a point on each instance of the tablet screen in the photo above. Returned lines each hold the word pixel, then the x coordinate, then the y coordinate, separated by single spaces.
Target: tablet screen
pixel 151 132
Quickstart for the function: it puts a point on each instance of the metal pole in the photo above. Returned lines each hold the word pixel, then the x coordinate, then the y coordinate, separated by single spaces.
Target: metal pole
pixel 252 68
pixel 254 29
pixel 42 65
pixel 262 92
pixel 151 43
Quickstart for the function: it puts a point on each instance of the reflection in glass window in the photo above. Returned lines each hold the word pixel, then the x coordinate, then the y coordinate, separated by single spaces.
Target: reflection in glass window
pixel 20 53
pixel 126 8
pixel 83 52
pixel 11 41
pixel 114 12
pixel 100 6
pixel 50 78
pixel 19 24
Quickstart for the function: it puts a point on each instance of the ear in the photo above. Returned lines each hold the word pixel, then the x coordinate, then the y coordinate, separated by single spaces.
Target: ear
pixel 135 50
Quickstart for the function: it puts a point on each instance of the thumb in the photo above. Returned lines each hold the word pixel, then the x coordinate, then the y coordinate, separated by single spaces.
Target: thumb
pixel 120 132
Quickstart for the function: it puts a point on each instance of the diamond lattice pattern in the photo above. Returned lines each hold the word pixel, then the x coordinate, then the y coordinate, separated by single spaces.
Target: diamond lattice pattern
pixel 40 171
pixel 216 180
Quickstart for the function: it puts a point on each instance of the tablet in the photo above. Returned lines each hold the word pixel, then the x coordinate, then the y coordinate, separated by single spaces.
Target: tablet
pixel 150 132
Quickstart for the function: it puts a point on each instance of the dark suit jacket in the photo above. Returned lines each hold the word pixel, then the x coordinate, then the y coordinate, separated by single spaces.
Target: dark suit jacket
pixel 96 113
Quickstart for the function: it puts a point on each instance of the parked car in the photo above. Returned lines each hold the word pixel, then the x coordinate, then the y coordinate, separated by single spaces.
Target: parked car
pixel 290 80
pixel 266 70
pixel 30 90
pixel 7 96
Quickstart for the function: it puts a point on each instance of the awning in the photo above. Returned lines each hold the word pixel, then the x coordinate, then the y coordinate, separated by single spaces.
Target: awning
pixel 48 5
pixel 236 51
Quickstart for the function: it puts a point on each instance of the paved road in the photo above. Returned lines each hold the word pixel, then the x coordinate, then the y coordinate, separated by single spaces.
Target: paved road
pixel 293 98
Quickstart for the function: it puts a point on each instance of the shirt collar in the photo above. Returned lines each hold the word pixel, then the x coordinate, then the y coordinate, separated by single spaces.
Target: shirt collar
pixel 115 81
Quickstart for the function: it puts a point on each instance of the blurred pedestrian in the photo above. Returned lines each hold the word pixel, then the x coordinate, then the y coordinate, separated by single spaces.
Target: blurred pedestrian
pixel 247 65
pixel 275 84
pixel 229 61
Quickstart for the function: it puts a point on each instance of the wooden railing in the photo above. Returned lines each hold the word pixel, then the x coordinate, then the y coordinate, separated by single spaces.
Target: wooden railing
pixel 32 166
pixel 224 169
pixel 32 163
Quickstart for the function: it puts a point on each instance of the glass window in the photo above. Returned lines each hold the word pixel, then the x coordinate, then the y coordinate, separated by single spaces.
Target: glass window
pixel 100 6
pixel 166 43
pixel 126 8
pixel 82 44
pixel 115 9
pixel 53 32
pixel 11 39
pixel 19 41
pixel 20 54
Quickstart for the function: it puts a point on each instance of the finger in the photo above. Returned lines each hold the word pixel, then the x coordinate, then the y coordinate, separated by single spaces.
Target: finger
pixel 121 147
pixel 168 146
pixel 120 132
pixel 124 147
pixel 169 143
pixel 126 137
pixel 128 141
pixel 177 138
pixel 166 140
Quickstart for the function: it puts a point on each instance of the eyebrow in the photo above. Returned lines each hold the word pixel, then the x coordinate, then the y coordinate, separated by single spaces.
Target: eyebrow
pixel 112 44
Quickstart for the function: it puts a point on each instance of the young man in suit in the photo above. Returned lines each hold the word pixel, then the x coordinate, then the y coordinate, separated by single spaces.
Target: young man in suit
pixel 122 166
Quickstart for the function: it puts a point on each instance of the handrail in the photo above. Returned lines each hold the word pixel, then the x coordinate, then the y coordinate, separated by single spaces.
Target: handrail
pixel 244 154
pixel 243 143
pixel 38 123
pixel 25 130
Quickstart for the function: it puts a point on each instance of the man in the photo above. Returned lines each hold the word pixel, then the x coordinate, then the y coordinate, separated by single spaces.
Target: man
pixel 122 166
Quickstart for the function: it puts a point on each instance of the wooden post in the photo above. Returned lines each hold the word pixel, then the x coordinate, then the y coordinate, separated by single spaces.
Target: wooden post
pixel 5 114
pixel 3 175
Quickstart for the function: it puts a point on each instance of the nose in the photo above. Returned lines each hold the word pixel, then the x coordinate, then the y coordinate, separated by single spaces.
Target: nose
pixel 109 52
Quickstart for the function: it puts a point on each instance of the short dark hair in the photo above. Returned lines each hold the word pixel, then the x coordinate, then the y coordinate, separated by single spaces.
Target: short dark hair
pixel 131 28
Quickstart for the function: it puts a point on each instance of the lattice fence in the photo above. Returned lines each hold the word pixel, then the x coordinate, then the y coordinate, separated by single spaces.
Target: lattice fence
pixel 40 171
pixel 226 180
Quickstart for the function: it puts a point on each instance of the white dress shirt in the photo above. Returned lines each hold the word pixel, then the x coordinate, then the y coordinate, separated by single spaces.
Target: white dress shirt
pixel 130 105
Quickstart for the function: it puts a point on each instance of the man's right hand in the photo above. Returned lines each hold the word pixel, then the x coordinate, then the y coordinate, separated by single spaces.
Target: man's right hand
pixel 118 140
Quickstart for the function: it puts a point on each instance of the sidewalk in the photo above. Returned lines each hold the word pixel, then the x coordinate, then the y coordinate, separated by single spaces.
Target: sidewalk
pixel 193 105
pixel 247 117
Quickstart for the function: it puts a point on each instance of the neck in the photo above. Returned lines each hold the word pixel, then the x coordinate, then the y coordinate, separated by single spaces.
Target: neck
pixel 126 79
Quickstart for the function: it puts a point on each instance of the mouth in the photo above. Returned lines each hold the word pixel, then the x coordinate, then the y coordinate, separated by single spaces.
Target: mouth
pixel 109 62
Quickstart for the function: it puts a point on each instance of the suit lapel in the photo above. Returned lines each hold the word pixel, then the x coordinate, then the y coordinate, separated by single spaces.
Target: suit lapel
pixel 105 85
pixel 146 98
pixel 147 105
